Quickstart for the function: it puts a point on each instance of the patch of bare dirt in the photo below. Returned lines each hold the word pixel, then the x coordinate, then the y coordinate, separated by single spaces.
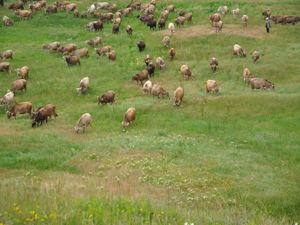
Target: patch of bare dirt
pixel 82 186
pixel 200 30
pixel 8 130
pixel 108 173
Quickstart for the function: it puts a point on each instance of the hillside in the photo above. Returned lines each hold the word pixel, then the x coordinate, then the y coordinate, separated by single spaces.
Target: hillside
pixel 231 158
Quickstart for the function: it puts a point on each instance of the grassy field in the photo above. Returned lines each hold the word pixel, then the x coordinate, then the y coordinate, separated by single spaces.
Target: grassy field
pixel 227 159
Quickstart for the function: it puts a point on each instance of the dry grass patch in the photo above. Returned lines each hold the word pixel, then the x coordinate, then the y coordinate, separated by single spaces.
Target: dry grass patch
pixel 230 29
pixel 8 130
pixel 115 173
pixel 154 175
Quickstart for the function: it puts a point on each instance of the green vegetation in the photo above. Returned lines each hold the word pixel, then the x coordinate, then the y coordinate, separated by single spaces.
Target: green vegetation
pixel 226 159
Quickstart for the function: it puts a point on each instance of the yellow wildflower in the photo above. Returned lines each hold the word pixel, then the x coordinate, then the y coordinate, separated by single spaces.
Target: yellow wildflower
pixel 18 210
pixel 52 215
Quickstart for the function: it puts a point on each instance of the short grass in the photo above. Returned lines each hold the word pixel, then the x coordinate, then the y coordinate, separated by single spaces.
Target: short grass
pixel 226 159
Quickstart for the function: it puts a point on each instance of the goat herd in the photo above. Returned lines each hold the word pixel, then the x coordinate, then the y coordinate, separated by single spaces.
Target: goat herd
pixel 72 55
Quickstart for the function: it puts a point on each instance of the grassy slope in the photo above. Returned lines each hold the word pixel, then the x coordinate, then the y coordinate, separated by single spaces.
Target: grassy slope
pixel 233 158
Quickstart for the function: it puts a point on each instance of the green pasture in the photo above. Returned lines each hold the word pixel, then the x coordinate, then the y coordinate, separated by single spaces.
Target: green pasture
pixel 232 158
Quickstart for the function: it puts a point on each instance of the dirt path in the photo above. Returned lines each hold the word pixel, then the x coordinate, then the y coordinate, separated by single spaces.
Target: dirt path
pixel 198 30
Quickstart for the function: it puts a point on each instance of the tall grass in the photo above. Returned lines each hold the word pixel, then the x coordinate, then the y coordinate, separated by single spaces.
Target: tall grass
pixel 226 159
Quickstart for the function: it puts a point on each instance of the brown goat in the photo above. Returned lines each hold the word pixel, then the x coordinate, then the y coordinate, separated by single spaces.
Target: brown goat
pixel 42 114
pixel 159 91
pixel 246 75
pixel 108 97
pixel 8 54
pixel 18 85
pixel 185 71
pixel 211 86
pixel 5 67
pixel 82 52
pixel 24 14
pixel 129 117
pixel 112 56
pixel 214 18
pixel 179 21
pixel 104 50
pixel 52 46
pixel 72 60
pixel 75 13
pixel 51 9
pixel 261 83
pixel 214 64
pixel 16 5
pixel 172 53
pixel 68 48
pixel 129 30
pixel 23 72
pixel 255 56
pixel 7 22
pixel 94 41
pixel 178 96
pixel 19 108
pixel 140 77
